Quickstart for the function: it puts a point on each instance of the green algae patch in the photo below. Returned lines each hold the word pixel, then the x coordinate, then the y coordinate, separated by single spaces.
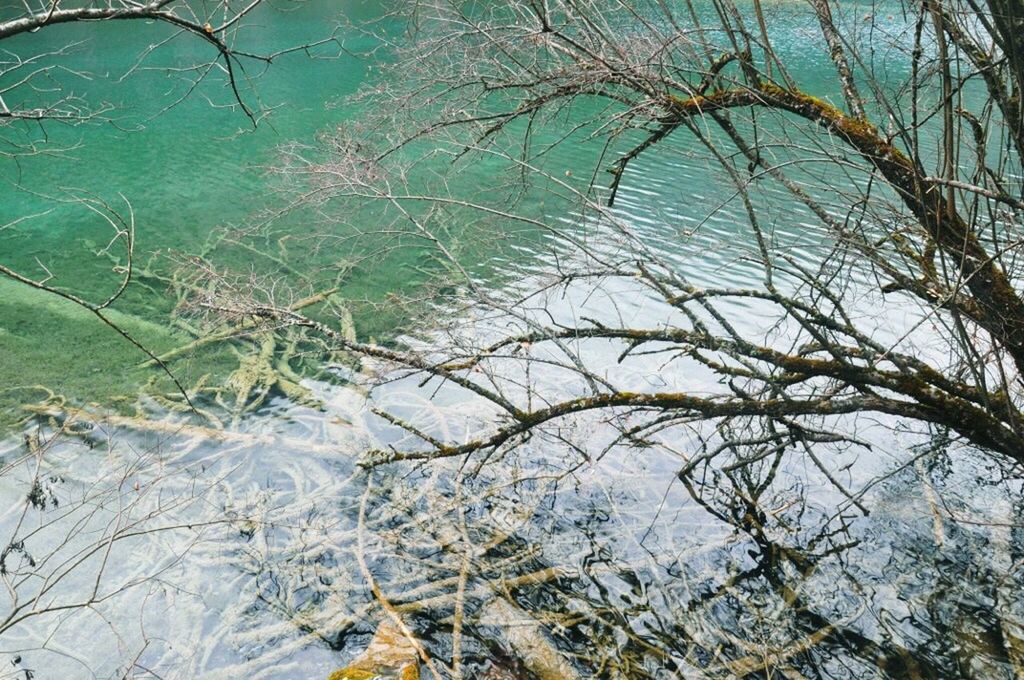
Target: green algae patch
pixel 47 343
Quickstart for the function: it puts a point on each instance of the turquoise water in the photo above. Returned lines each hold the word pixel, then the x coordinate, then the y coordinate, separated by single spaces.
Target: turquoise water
pixel 200 180
pixel 188 172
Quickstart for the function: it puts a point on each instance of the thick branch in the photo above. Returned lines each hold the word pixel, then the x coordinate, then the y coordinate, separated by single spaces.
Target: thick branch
pixel 1000 310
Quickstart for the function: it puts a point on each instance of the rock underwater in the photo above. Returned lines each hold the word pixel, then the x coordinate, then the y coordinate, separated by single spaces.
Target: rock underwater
pixel 390 654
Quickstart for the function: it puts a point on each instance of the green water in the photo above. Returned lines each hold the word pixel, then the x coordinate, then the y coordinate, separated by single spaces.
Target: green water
pixel 188 172
pixel 199 179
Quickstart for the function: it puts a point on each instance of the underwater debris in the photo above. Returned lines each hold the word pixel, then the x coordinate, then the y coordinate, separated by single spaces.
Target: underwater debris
pixel 524 634
pixel 68 414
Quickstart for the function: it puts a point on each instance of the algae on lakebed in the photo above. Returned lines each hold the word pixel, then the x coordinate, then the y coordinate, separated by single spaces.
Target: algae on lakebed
pixel 47 343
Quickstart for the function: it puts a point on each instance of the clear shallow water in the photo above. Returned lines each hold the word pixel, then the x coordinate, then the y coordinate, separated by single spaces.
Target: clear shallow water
pixel 259 568
pixel 188 172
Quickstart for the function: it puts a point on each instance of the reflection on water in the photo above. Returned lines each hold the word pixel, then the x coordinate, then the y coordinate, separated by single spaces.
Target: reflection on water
pixel 164 545
pixel 266 551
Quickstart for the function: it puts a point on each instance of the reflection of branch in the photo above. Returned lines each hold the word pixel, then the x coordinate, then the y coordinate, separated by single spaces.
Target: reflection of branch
pixel 73 534
pixel 378 595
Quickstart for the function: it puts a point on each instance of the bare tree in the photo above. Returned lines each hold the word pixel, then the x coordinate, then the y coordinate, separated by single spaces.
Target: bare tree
pixel 917 211
pixel 899 313
pixel 884 310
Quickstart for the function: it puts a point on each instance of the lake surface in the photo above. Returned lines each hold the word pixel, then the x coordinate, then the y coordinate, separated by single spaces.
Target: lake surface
pixel 247 542
pixel 188 173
